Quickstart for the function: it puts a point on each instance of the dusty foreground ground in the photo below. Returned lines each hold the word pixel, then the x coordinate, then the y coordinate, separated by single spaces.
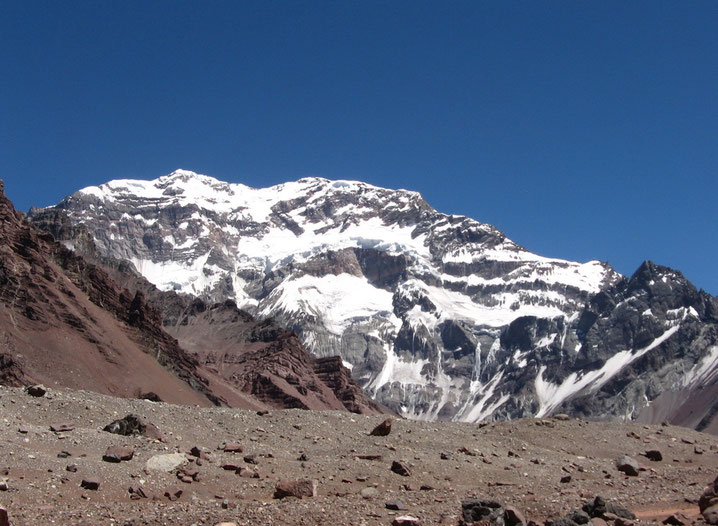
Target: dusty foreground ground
pixel 518 463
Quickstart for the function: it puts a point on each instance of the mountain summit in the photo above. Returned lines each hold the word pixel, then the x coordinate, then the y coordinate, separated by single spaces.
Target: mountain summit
pixel 439 316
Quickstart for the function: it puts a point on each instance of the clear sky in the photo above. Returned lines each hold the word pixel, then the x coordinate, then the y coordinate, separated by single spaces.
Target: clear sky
pixel 583 130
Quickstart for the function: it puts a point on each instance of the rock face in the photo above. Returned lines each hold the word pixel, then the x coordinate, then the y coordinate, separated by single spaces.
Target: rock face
pixel 440 317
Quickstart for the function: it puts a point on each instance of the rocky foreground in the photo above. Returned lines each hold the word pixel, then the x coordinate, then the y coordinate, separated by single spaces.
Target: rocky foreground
pixel 190 465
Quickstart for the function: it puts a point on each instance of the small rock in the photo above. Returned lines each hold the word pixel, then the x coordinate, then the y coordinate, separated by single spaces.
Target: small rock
pixel 677 519
pixel 513 517
pixel 406 520
pixel 400 468
pixel 4 519
pixel 565 479
pixel 198 452
pixel 598 521
pixel 90 484
pixel 627 465
pixel 191 474
pixel 61 428
pixel 226 524
pixel 303 457
pixel 653 455
pixel 395 505
pixel 369 493
pixel 72 468
pixel 64 454
pixel 118 454
pixel 37 390
pixel 4 485
pixel 296 488
pixel 247 473
pixel 579 517
pixel 251 459
pixel 382 429
pixel 151 396
pixel 136 493
pixel 561 417
pixel 369 457
pixel 475 510
pixel 698 450
pixel 232 447
pixel 173 493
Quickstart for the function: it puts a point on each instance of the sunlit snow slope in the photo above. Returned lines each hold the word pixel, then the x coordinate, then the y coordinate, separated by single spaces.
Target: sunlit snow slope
pixel 440 316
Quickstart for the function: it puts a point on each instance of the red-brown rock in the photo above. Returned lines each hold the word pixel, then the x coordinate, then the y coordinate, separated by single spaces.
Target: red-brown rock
pixel 118 454
pixel 233 447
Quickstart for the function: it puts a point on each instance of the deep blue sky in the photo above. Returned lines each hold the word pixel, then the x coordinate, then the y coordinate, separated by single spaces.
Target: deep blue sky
pixel 583 130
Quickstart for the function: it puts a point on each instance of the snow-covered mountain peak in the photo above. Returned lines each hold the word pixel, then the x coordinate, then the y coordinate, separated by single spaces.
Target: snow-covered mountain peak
pixel 439 315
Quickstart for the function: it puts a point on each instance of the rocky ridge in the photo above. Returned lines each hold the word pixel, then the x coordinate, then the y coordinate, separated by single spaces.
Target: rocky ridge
pixel 440 317
pixel 65 321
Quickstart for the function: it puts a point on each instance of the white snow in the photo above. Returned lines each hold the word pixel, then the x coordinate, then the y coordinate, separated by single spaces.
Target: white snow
pixel 704 371
pixel 336 300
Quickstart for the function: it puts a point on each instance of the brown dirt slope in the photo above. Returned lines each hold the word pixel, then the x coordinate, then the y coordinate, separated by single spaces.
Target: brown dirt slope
pixel 519 463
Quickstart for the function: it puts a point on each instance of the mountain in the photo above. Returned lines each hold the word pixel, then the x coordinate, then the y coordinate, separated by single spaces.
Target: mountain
pixel 65 322
pixel 438 316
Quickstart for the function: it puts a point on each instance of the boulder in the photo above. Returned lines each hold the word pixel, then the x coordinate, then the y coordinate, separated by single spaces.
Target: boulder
pixel 166 462
pixel 4 519
pixel 296 488
pixel 513 517
pixel 406 520
pixel 709 497
pixel 710 514
pixel 627 465
pixel 602 509
pixel 37 390
pixel 129 425
pixel 382 429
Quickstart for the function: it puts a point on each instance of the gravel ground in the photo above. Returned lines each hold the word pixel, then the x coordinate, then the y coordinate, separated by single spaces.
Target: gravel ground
pixel 519 463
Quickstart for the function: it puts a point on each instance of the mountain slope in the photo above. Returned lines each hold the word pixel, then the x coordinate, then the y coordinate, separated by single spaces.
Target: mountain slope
pixel 64 321
pixel 440 317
